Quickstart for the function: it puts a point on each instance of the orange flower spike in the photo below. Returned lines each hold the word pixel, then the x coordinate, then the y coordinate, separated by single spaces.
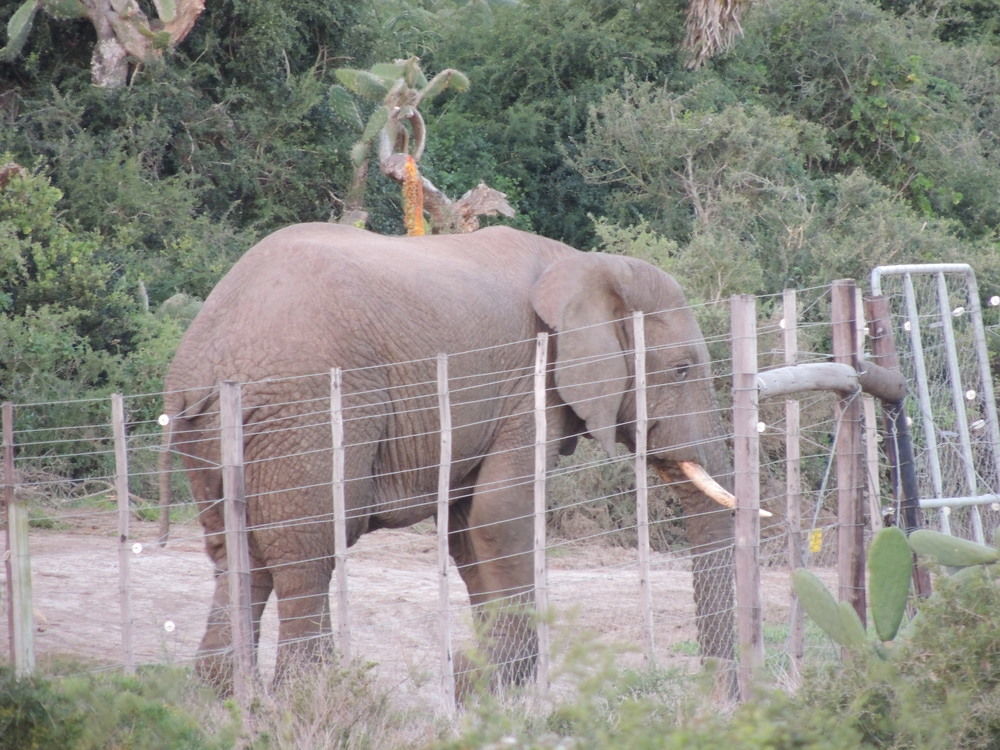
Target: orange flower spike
pixel 413 199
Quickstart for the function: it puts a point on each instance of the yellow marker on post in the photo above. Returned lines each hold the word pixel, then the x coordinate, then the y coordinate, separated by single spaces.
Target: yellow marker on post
pixel 815 540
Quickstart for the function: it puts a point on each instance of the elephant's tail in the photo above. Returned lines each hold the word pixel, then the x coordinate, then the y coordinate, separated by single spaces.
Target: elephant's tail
pixel 164 466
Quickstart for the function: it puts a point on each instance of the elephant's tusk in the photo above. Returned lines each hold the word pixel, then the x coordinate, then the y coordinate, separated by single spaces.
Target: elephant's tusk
pixel 701 479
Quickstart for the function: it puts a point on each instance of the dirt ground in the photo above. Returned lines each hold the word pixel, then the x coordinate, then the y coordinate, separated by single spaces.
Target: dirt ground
pixel 392 591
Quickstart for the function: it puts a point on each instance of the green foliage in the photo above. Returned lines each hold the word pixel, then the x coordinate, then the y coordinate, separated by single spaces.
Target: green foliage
pixel 736 189
pixel 896 101
pixel 610 707
pixel 33 715
pixel 71 319
pixel 535 68
pixel 18 28
pixel 940 688
pixel 890 565
pixel 160 708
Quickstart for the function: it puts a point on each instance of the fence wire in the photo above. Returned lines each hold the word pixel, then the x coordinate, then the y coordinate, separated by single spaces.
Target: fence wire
pixel 934 321
pixel 65 474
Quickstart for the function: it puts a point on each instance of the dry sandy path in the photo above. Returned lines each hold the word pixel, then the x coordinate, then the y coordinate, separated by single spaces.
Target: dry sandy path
pixel 393 594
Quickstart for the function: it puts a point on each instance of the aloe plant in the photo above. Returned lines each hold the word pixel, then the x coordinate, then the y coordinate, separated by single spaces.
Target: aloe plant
pixel 890 567
pixel 397 132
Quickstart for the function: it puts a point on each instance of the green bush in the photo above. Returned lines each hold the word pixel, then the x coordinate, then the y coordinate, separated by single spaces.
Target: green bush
pixel 159 709
pixel 33 715
pixel 941 689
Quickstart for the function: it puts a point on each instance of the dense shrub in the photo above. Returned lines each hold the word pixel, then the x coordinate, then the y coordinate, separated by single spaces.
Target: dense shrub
pixel 34 715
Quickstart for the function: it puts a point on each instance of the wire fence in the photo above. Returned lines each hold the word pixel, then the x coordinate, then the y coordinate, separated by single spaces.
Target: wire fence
pixel 104 590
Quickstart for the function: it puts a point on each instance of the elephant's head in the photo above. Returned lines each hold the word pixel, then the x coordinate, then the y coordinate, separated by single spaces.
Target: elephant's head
pixel 588 302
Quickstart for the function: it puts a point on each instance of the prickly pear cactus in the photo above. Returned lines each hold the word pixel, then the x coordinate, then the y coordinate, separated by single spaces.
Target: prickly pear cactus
pixel 838 620
pixel 890 566
pixel 952 551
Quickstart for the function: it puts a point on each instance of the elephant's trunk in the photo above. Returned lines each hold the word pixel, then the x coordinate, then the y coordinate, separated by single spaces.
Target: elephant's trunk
pixel 710 532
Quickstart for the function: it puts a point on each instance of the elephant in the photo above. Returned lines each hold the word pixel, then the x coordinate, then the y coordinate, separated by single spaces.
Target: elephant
pixel 316 296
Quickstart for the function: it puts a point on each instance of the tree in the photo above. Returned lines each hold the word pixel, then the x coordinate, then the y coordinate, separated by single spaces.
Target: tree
pixel 125 35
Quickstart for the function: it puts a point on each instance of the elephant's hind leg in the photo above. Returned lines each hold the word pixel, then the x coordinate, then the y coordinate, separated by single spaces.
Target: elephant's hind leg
pixel 303 613
pixel 214 662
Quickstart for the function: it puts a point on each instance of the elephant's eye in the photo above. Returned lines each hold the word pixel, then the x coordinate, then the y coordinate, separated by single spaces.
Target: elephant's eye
pixel 681 371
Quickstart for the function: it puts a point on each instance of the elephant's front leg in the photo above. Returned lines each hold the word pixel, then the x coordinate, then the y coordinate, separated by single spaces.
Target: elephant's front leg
pixel 491 543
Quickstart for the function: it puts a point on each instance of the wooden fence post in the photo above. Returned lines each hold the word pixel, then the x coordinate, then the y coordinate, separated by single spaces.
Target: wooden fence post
pixel 124 514
pixel 849 455
pixel 339 513
pixel 540 536
pixel 793 484
pixel 642 484
pixel 18 562
pixel 443 505
pixel 237 546
pixel 747 489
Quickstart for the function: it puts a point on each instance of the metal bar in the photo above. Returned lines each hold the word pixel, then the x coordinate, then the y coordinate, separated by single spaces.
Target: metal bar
pixel 988 400
pixel 923 395
pixel 746 444
pixel 237 543
pixel 124 513
pixel 958 502
pixel 339 512
pixel 906 269
pixel 443 507
pixel 958 400
pixel 541 470
pixel 642 484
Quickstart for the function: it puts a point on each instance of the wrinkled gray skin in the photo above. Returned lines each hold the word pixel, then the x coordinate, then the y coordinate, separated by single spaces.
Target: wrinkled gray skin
pixel 315 296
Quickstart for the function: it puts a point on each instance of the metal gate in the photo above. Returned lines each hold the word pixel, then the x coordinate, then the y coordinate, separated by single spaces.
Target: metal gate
pixel 937 320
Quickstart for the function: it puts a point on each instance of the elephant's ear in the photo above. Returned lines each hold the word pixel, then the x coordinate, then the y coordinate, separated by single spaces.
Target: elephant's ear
pixel 580 299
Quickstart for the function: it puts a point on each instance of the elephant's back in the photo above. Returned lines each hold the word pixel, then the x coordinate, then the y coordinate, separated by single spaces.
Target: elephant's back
pixel 313 296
